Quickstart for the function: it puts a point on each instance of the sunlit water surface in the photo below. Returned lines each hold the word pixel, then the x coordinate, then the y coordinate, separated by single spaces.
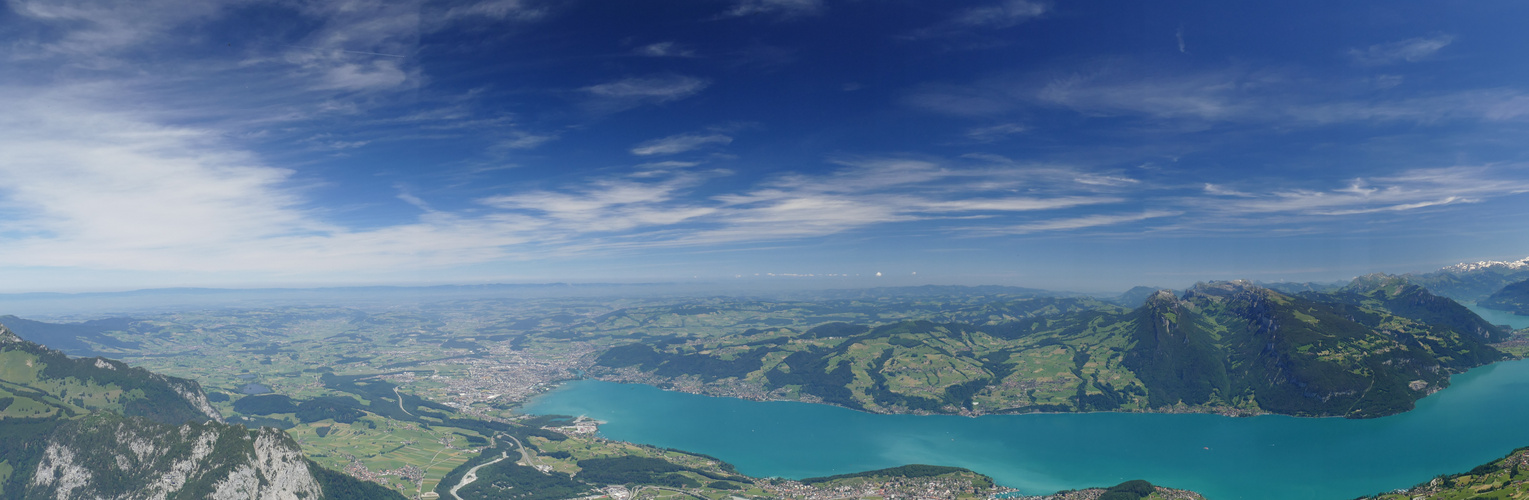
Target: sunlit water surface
pixel 1482 416
pixel 1497 317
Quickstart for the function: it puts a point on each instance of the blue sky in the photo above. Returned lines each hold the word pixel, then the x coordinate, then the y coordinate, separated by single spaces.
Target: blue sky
pixel 1079 145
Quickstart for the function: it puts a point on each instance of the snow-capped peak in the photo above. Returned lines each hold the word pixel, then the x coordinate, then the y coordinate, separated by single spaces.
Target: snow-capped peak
pixel 1465 267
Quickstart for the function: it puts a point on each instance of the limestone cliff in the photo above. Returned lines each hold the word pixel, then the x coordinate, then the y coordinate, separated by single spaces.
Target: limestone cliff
pixel 100 429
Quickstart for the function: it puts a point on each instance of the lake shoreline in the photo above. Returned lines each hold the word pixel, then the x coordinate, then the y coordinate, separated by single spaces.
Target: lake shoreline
pixel 1451 431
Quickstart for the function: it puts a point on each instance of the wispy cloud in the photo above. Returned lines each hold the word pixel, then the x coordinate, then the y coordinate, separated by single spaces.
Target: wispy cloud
pixel 665 49
pixel 1408 191
pixel 89 188
pixel 1004 14
pixel 356 45
pixel 96 189
pixel 525 140
pixel 1087 221
pixel 609 205
pixel 1209 95
pixel 633 91
pixel 876 191
pixel 90 31
pixel 1409 50
pixel 1000 15
pixel 1227 95
pixel 992 133
pixel 86 188
pixel 1218 190
pixel 780 8
pixel 679 143
pixel 497 10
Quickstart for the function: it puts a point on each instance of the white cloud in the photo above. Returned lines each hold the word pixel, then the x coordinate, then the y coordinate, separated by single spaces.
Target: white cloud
pixel 876 191
pixel 630 92
pixel 354 45
pixel 525 140
pixel 679 144
pixel 358 45
pixel 1105 180
pixel 1407 191
pixel 91 187
pixel 609 205
pixel 1217 190
pixel 96 28
pixel 1084 222
pixel 88 188
pixel 1409 50
pixel 85 186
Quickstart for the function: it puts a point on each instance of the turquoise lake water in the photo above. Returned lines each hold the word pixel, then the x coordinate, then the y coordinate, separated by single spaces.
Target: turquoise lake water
pixel 1500 317
pixel 1483 416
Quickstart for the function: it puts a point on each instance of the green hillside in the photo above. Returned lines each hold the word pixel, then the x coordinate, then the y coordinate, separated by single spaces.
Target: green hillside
pixel 1369 349
pixel 47 384
pixel 1504 478
pixel 93 427
pixel 1514 297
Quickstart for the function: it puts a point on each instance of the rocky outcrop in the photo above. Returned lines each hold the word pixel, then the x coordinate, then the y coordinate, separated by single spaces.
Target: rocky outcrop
pixel 7 336
pixel 107 456
pixel 165 441
pixel 192 393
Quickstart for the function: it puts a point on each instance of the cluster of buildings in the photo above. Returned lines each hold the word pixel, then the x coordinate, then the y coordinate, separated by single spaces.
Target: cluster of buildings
pixel 510 375
pixel 946 488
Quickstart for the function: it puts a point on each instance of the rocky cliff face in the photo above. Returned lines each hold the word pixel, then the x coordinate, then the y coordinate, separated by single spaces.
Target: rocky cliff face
pixel 168 444
pixel 107 456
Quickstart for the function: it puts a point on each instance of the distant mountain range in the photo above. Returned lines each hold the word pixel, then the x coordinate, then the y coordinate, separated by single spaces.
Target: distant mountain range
pixel 1475 281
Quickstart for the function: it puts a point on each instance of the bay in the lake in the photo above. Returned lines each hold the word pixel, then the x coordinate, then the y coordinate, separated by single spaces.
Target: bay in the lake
pixel 1497 317
pixel 1483 416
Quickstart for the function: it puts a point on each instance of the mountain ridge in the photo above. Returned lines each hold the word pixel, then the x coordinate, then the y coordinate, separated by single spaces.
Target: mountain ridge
pixel 1513 297
pixel 1369 350
pixel 98 428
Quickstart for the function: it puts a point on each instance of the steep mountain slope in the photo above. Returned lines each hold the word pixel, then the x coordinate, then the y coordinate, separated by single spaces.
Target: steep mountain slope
pixel 57 386
pixel 1504 478
pixel 1514 297
pixel 96 428
pixel 1402 297
pixel 1325 354
pixel 1368 350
